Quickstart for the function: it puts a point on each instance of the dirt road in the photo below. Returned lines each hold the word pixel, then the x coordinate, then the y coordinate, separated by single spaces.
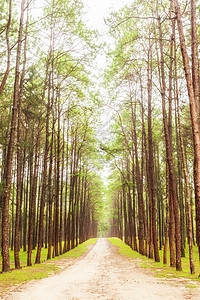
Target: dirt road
pixel 103 274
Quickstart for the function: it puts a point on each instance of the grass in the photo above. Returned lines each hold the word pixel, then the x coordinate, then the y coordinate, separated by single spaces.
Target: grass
pixel 161 270
pixel 46 268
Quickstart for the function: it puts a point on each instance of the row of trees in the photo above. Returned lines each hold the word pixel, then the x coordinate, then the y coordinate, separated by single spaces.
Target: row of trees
pixel 155 133
pixel 50 195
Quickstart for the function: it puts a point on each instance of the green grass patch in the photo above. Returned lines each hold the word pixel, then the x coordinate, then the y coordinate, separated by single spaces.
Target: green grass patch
pixel 158 268
pixel 46 268
pixel 191 286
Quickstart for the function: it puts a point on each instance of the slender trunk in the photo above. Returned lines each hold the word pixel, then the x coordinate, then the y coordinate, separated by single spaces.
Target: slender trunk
pixel 151 166
pixel 54 195
pixel 19 154
pixel 125 212
pixel 194 111
pixel 134 210
pixel 139 189
pixel 130 219
pixel 187 187
pixel 78 206
pixel 44 179
pixel 33 190
pixel 57 199
pixel 13 219
pixel 166 220
pixel 170 155
pixel 8 48
pixel 70 199
pixel 61 193
pixel 172 219
pixel 50 199
pixel 195 79
pixel 66 188
pixel 5 219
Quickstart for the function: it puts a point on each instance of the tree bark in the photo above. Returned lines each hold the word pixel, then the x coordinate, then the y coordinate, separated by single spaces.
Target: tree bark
pixel 151 165
pixel 194 111
pixel 5 219
pixel 33 189
pixel 170 155
pixel 8 48
pixel 19 155
pixel 44 179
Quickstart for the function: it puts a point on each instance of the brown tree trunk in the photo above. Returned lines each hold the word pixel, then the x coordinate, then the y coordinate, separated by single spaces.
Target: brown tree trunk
pixel 151 165
pixel 195 79
pixel 54 196
pixel 167 219
pixel 33 189
pixel 66 187
pixel 187 187
pixel 129 200
pixel 141 214
pixel 172 219
pixel 78 206
pixel 61 194
pixel 50 199
pixel 194 111
pixel 19 154
pixel 44 179
pixel 170 155
pixel 71 192
pixel 124 212
pixel 144 151
pixel 135 247
pixel 8 48
pixel 5 219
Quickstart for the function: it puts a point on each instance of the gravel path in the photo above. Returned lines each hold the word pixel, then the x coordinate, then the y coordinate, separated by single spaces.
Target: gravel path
pixel 103 274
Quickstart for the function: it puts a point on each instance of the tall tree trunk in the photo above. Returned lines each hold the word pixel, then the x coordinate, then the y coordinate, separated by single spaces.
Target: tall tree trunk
pixel 33 189
pixel 50 198
pixel 125 212
pixel 61 193
pixel 170 155
pixel 144 150
pixel 141 211
pixel 19 155
pixel 151 164
pixel 134 209
pixel 130 210
pixel 167 220
pixel 187 186
pixel 172 218
pixel 57 229
pixel 5 219
pixel 44 179
pixel 194 111
pixel 66 187
pixel 70 197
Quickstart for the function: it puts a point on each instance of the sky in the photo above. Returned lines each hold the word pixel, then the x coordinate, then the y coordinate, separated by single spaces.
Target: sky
pixel 97 10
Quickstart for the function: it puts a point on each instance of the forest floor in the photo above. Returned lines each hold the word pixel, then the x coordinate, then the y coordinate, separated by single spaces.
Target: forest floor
pixel 102 273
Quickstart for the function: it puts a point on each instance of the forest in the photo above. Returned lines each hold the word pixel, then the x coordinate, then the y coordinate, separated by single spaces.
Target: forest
pixel 62 128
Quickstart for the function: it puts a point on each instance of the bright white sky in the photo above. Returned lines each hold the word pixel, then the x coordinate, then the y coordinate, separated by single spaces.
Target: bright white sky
pixel 97 10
